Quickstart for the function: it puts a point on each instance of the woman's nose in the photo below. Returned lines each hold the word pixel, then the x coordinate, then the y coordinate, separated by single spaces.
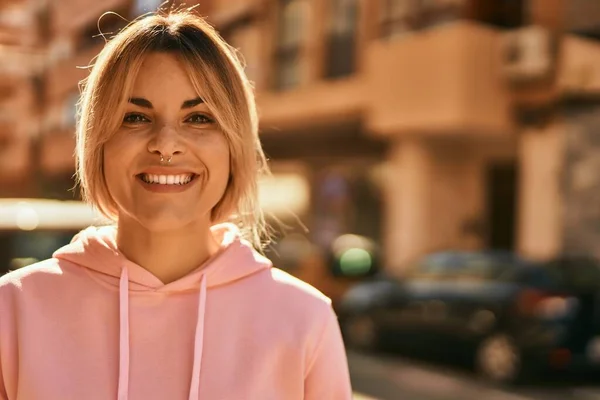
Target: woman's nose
pixel 166 141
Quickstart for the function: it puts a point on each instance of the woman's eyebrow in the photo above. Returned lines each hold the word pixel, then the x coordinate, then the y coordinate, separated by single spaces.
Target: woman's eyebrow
pixel 141 102
pixel 192 103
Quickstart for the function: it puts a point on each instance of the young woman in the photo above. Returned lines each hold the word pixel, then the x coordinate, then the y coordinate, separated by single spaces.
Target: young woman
pixel 173 301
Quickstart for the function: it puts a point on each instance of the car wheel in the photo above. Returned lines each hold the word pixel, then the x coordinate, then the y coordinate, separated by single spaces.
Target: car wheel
pixel 362 333
pixel 498 359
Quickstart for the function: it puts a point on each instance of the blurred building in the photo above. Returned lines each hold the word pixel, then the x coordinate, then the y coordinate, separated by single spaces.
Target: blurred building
pixel 432 124
pixel 64 36
pixel 22 32
pixel 425 124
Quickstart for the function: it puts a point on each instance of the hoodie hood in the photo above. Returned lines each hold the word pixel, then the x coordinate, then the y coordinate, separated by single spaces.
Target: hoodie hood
pixel 96 249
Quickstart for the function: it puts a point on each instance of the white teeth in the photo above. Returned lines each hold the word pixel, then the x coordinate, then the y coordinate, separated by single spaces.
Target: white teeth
pixel 167 179
pixel 180 179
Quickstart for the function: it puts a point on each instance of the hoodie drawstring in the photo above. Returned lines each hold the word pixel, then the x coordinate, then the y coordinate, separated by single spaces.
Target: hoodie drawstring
pixel 198 342
pixel 123 335
pixel 124 338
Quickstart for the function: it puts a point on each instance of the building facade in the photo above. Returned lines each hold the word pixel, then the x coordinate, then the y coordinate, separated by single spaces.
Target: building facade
pixel 424 124
pixel 21 60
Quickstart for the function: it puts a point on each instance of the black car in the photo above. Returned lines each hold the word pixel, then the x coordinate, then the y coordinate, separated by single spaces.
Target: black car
pixel 515 317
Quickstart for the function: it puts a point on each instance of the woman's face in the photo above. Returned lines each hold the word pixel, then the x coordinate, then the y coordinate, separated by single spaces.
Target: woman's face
pixel 166 117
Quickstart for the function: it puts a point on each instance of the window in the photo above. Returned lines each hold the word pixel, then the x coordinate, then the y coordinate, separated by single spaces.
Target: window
pixel 293 18
pixel 89 38
pixel 583 17
pixel 109 26
pixel 44 24
pixel 401 17
pixel 503 14
pixel 70 111
pixel 145 6
pixel 60 49
pixel 398 17
pixel 342 38
pixel 245 36
pixel 344 200
pixel 437 12
pixel 38 91
pixel 37 84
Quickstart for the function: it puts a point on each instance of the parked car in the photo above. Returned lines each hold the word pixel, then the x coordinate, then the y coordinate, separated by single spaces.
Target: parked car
pixel 514 317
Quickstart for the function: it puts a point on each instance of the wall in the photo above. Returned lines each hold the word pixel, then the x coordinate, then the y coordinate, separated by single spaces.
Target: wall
pixel 433 192
pixel 541 156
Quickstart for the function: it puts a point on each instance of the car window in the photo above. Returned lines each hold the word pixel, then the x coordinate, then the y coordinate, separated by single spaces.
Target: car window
pixel 460 266
pixel 581 274
pixel 479 267
pixel 437 266
pixel 537 276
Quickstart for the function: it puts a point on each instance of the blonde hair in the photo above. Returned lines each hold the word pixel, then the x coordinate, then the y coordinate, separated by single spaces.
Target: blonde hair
pixel 214 69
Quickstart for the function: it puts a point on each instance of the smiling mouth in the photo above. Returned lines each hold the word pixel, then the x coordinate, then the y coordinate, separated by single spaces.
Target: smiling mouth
pixel 179 180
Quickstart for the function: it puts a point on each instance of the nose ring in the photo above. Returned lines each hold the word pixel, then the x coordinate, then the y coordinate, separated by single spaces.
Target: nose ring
pixel 162 159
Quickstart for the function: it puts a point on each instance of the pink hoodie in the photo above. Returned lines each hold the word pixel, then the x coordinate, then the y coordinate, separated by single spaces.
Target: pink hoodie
pixel 89 324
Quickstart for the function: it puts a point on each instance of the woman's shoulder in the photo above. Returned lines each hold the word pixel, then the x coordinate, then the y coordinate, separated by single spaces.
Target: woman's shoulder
pixel 305 308
pixel 39 272
pixel 288 294
pixel 296 287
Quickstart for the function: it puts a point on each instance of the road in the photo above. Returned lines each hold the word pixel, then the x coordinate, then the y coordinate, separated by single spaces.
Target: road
pixel 396 378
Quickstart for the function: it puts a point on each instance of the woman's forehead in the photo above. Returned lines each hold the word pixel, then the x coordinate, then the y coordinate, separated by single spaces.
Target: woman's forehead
pixel 163 75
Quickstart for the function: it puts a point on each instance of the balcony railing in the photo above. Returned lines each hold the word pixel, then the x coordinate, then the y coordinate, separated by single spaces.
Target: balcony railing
pixel 579 67
pixel 444 81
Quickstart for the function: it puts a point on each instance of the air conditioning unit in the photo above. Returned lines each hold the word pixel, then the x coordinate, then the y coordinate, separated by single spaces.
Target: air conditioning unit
pixel 60 49
pixel 527 54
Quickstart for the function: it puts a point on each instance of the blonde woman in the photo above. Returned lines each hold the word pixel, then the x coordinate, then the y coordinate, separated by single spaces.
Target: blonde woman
pixel 173 301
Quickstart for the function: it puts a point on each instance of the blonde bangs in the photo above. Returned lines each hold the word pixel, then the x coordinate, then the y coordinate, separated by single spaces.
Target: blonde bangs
pixel 216 73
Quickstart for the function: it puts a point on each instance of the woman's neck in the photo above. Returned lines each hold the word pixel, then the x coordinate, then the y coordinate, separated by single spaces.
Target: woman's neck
pixel 168 255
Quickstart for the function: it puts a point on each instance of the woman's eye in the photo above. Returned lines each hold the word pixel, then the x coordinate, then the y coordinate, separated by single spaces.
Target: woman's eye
pixel 199 119
pixel 135 118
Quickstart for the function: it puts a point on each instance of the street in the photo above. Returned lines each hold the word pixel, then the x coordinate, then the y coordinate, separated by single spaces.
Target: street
pixel 391 377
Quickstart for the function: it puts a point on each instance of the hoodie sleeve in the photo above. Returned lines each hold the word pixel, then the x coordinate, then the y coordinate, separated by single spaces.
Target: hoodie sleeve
pixel 3 315
pixel 327 374
pixel 3 395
